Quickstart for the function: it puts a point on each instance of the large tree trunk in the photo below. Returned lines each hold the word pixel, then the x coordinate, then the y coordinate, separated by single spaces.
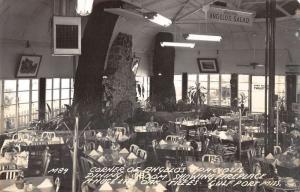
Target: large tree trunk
pixel 95 43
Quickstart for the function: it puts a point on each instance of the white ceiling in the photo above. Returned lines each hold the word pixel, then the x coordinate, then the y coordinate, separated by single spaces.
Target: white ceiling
pixel 22 20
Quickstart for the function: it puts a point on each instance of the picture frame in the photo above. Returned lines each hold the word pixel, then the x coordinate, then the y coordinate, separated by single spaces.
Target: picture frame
pixel 208 65
pixel 29 66
pixel 135 64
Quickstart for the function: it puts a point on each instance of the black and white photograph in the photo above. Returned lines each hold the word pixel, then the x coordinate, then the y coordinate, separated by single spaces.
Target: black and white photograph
pixel 29 66
pixel 149 96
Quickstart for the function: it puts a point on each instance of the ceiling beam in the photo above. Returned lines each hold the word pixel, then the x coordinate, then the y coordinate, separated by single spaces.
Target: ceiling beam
pixel 180 10
pixel 282 10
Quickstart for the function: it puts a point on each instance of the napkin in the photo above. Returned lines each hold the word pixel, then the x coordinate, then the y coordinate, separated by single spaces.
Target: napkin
pixel 100 149
pixel 101 159
pixel 132 156
pixel 121 160
pixel 124 151
pixel 23 154
pixel 94 153
pixel 106 187
pixel 160 187
pixel 123 137
pixel 45 184
pixel 99 135
pixel 269 156
pixel 162 142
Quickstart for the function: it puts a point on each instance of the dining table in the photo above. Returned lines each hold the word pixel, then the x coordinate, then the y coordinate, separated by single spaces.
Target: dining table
pixel 20 159
pixel 286 184
pixel 32 184
pixel 191 125
pixel 287 163
pixel 109 158
pixel 134 186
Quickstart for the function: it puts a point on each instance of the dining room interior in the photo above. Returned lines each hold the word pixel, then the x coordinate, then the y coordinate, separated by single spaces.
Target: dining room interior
pixel 150 95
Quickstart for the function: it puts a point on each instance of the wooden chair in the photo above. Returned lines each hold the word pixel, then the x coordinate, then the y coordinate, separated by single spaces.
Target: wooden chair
pixel 277 150
pixel 173 138
pixel 211 158
pixel 10 174
pixel 89 146
pixel 134 148
pixel 142 154
pixel 86 165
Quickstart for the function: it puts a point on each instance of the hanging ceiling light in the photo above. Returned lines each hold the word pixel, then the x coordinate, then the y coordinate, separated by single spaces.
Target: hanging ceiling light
pixel 84 7
pixel 158 19
pixel 177 44
pixel 196 37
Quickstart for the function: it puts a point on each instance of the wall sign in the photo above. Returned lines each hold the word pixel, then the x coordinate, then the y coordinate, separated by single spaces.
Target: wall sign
pixel 223 15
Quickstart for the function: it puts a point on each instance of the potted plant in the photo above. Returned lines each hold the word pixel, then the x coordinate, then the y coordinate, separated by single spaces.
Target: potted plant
pixel 197 95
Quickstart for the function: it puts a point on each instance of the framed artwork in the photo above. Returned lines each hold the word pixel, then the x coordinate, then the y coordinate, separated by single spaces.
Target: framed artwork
pixel 208 65
pixel 29 66
pixel 135 64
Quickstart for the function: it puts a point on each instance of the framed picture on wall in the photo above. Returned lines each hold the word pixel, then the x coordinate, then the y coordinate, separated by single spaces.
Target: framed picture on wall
pixel 208 65
pixel 29 65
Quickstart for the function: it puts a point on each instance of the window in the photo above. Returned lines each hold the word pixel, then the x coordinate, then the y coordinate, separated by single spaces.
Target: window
pixel 258 94
pixel 225 90
pixel 214 90
pixel 59 92
pixel 178 86
pixel 211 85
pixel 142 87
pixel 203 80
pixel 20 102
pixel 280 86
pixel 243 88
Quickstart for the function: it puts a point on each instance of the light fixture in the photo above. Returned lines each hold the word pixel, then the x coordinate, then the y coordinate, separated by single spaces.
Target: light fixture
pixel 158 19
pixel 84 7
pixel 196 37
pixel 177 44
pixel 159 74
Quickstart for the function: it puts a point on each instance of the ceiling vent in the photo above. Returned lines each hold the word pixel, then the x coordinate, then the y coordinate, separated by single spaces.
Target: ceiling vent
pixel 66 36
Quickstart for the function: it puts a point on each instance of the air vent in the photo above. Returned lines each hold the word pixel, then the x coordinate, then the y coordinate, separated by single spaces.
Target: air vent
pixel 66 35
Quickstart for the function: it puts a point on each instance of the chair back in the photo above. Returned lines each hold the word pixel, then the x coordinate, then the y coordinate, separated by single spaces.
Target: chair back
pixel 48 135
pixel 173 138
pixel 142 154
pixel 206 145
pixel 212 158
pixel 8 166
pixel 120 131
pixel 134 148
pixel 10 174
pixel 89 134
pixel 86 165
pixel 277 150
pixel 89 146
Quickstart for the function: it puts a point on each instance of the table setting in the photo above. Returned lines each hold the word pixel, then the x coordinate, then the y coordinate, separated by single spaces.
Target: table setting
pixel 114 157
pixel 30 184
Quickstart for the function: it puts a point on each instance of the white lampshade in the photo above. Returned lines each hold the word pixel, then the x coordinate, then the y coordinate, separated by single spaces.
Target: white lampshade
pixel 84 7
